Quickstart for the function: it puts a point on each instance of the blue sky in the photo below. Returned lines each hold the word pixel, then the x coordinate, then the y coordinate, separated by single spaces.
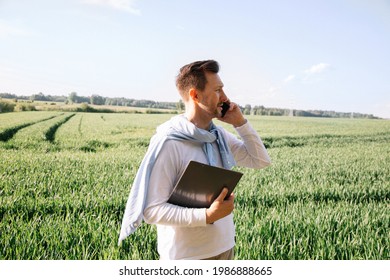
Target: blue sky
pixel 325 55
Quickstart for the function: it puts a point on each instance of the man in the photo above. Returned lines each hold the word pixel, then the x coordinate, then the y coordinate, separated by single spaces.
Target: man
pixel 193 233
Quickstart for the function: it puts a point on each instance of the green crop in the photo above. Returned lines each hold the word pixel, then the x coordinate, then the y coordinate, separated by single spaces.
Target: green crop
pixel 65 179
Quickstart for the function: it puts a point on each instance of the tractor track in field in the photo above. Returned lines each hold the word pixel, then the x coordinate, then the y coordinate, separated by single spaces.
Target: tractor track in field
pixel 79 126
pixel 49 134
pixel 8 133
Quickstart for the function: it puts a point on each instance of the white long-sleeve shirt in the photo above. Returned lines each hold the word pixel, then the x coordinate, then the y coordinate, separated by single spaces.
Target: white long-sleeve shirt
pixel 183 232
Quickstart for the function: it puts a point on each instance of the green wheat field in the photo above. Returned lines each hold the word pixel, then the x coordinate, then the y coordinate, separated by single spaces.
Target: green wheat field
pixel 65 179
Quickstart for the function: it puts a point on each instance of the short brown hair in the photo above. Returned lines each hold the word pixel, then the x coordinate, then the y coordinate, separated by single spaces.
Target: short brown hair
pixel 193 75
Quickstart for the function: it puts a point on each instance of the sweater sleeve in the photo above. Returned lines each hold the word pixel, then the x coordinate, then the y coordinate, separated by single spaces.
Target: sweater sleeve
pixel 250 150
pixel 164 175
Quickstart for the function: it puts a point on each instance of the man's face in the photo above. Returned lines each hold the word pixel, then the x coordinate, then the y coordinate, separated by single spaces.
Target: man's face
pixel 212 97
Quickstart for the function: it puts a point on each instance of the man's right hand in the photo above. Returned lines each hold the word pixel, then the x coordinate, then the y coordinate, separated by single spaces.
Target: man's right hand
pixel 220 208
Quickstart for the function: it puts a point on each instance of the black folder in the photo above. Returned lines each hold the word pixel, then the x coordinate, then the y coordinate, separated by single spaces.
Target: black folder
pixel 200 184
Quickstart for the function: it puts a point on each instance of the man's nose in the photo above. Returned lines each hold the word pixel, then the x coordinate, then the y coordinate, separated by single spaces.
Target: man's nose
pixel 223 96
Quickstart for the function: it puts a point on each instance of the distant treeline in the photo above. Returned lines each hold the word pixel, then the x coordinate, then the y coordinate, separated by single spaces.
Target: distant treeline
pixel 129 102
pixel 261 110
pixel 94 100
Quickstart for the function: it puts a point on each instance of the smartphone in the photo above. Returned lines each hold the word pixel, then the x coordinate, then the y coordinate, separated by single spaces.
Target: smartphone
pixel 225 107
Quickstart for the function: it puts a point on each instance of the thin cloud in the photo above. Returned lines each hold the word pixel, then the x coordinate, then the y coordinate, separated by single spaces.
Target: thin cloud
pixel 317 68
pixel 122 5
pixel 290 78
pixel 310 75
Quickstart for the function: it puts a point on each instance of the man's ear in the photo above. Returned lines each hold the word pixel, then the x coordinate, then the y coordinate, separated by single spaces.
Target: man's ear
pixel 193 94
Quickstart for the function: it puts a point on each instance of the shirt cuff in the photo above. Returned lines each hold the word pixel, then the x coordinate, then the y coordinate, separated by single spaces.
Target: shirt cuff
pixel 245 129
pixel 199 216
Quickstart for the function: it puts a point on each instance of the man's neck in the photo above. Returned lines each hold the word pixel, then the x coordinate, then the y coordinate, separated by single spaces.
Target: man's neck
pixel 198 120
